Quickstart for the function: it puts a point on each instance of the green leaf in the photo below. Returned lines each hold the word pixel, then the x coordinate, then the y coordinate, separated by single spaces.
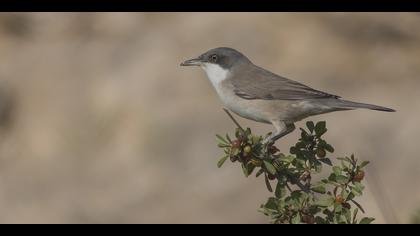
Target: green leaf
pixel 358 205
pixel 350 196
pixel 271 203
pixel 300 145
pixel 337 170
pixel 296 219
pixel 267 183
pixel 222 145
pixel 228 138
pixel 319 188
pixel 338 207
pixel 332 177
pixel 245 170
pixel 352 158
pixel 320 220
pixel 288 158
pixel 310 125
pixel 318 166
pixel 325 201
pixel 326 161
pixel 356 210
pixel 341 179
pixel 363 164
pixel 359 187
pixel 270 168
pixel 221 161
pixel 256 139
pixel 346 159
pixel 221 139
pixel 260 171
pixel 248 131
pixel 344 193
pixel 356 191
pixel 280 190
pixel 250 167
pixel 238 133
pixel 320 128
pixel 281 204
pixel 366 220
pixel 347 214
pixel 329 148
pixel 235 151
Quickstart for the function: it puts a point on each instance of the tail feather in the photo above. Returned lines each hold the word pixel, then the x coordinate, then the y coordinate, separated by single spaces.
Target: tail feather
pixel 344 104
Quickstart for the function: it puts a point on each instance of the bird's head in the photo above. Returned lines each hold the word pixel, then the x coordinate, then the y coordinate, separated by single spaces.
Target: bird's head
pixel 223 57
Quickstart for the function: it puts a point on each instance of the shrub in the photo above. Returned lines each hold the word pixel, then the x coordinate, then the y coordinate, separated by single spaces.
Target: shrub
pixel 296 197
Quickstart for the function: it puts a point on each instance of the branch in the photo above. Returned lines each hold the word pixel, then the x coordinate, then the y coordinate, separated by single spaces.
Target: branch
pixel 234 121
pixel 311 202
pixel 298 183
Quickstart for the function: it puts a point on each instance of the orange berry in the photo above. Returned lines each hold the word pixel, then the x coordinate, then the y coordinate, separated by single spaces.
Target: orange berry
pixel 339 199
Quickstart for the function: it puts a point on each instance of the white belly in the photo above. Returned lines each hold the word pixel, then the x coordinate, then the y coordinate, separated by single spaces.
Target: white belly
pixel 255 109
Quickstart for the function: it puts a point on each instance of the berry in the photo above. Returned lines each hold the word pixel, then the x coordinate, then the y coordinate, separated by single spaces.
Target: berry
pixel 271 177
pixel 339 199
pixel 346 205
pixel 321 153
pixel 247 149
pixel 308 219
pixel 359 176
pixel 236 143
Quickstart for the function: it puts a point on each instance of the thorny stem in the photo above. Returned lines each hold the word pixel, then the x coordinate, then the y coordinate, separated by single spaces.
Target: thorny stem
pixel 234 121
pixel 295 180
pixel 298 183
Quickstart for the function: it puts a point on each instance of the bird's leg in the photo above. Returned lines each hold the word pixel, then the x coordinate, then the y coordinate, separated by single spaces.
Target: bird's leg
pixel 282 129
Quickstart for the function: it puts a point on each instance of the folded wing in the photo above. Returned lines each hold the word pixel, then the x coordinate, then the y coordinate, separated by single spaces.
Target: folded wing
pixel 262 84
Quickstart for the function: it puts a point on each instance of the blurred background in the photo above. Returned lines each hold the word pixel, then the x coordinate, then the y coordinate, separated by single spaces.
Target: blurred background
pixel 100 124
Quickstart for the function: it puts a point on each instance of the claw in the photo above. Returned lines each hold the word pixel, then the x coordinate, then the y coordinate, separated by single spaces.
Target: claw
pixel 268 141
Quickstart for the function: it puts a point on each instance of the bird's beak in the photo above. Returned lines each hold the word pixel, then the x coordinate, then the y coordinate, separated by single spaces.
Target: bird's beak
pixel 192 62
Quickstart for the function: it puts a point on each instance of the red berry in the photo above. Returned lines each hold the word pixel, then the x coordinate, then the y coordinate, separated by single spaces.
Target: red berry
pixel 236 144
pixel 271 177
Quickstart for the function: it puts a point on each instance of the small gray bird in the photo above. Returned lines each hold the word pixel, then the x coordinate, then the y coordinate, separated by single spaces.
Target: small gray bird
pixel 260 95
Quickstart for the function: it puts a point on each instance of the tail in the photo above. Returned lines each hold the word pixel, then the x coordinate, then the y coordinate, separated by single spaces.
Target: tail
pixel 348 105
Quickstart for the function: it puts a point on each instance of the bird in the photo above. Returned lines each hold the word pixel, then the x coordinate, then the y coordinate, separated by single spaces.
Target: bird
pixel 255 93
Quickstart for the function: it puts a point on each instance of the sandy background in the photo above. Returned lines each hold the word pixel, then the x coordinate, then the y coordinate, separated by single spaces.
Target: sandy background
pixel 100 124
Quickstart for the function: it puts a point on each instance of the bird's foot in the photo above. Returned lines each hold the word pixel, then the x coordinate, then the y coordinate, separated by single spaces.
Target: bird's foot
pixel 268 141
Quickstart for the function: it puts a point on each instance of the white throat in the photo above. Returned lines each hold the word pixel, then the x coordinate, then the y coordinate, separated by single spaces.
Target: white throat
pixel 215 73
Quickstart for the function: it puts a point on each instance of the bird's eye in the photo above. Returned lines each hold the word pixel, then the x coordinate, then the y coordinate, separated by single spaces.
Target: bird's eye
pixel 213 58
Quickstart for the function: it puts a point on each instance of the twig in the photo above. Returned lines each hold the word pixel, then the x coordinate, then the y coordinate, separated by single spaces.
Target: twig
pixel 295 180
pixel 288 187
pixel 234 121
pixel 298 183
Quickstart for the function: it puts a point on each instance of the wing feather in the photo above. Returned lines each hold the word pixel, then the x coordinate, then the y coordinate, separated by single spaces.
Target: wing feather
pixel 269 86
